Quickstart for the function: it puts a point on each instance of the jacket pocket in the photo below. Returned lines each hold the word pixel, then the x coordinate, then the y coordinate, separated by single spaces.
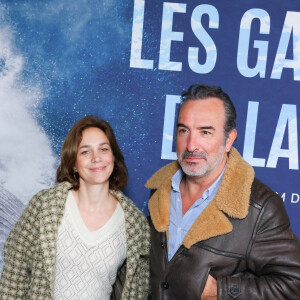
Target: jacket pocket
pixel 203 283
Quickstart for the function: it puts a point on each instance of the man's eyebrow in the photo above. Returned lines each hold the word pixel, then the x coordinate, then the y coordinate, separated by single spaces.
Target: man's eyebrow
pixel 207 127
pixel 200 127
pixel 181 125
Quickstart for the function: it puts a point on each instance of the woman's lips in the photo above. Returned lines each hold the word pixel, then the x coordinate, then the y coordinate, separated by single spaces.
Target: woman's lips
pixel 98 169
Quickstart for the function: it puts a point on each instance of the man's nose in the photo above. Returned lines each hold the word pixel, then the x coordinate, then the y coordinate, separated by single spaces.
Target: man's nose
pixel 192 142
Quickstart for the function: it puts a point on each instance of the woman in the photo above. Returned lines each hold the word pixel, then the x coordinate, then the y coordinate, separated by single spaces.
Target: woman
pixel 75 239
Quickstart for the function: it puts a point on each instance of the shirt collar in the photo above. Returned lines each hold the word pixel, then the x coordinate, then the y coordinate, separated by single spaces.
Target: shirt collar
pixel 177 177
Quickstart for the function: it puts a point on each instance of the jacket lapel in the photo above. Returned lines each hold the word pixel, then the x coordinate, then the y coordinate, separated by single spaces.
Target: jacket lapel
pixel 134 234
pixel 52 212
pixel 159 203
pixel 232 199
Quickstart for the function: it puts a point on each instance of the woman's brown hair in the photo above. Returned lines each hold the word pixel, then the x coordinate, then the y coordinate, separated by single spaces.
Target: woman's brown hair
pixel 65 171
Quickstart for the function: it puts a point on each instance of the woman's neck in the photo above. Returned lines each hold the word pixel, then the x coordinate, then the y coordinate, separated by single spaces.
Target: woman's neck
pixel 93 198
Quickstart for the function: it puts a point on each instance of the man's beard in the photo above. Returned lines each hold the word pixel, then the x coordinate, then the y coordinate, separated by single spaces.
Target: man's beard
pixel 195 170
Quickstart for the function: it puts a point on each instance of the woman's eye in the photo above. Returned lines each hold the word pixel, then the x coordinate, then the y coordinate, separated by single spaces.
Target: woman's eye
pixel 84 152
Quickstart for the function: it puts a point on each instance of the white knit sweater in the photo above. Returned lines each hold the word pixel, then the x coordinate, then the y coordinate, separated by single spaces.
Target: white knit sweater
pixel 87 262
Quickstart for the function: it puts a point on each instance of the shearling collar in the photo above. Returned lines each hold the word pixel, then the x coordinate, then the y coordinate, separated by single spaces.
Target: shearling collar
pixel 231 199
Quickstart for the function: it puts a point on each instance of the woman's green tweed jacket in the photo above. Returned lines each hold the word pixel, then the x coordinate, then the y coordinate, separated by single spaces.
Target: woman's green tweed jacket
pixel 29 252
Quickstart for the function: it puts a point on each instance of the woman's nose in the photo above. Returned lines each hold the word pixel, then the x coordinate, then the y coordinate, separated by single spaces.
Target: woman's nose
pixel 96 157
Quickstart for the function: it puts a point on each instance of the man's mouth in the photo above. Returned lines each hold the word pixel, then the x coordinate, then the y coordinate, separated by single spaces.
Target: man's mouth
pixel 193 156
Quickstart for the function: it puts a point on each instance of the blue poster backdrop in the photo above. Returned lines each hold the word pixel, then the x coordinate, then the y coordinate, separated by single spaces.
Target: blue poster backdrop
pixel 127 62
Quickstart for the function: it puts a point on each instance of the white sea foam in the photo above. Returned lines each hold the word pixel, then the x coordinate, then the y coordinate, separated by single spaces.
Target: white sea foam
pixel 27 163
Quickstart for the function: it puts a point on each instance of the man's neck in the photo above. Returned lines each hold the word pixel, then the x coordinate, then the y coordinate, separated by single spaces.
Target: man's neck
pixel 192 187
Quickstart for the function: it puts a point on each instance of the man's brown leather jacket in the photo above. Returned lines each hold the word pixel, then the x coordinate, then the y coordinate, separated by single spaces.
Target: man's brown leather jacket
pixel 243 239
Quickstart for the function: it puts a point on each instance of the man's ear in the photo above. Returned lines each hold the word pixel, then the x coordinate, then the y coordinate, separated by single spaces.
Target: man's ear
pixel 230 139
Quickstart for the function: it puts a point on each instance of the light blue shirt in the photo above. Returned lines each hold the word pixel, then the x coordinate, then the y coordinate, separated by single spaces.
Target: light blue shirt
pixel 180 225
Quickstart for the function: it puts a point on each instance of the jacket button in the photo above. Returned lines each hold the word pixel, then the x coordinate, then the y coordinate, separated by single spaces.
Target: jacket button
pixel 162 245
pixel 165 285
pixel 234 290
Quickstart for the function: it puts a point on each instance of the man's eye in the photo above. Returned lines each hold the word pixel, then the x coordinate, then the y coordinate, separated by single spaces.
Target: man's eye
pixel 205 132
pixel 182 130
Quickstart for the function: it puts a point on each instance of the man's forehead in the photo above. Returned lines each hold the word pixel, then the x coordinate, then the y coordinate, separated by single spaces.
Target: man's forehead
pixel 209 105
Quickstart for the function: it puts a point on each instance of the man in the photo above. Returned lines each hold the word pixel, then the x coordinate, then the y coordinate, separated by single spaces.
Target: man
pixel 217 232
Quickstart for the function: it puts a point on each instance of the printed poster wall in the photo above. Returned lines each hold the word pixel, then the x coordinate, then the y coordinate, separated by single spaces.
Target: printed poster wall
pixel 128 62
